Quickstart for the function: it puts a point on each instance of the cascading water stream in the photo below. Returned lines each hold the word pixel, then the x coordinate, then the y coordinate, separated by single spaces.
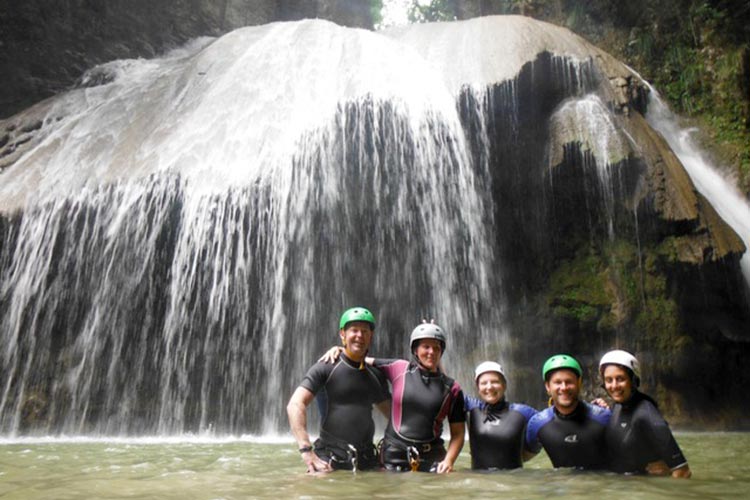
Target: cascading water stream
pixel 587 121
pixel 723 195
pixel 192 228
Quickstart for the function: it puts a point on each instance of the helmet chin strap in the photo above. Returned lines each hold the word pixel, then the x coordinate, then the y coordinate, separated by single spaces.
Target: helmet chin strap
pixel 417 360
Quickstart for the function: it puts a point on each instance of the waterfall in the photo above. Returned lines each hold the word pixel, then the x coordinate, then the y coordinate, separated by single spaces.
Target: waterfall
pixel 587 121
pixel 730 204
pixel 185 232
pixel 180 235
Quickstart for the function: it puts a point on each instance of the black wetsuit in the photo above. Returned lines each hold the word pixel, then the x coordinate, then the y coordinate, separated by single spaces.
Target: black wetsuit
pixel 575 440
pixel 345 393
pixel 496 433
pixel 637 434
pixel 421 402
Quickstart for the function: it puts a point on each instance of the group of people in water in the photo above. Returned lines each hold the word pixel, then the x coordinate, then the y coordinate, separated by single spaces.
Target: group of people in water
pixel 632 437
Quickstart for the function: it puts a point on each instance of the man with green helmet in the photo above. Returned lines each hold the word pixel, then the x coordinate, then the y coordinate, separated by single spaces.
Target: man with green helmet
pixel 570 430
pixel 423 398
pixel 346 392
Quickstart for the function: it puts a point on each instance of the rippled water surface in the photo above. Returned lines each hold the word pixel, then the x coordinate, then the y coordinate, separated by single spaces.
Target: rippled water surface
pixel 203 469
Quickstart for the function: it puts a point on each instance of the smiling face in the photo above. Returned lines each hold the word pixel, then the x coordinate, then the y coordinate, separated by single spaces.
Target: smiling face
pixel 491 387
pixel 617 383
pixel 429 353
pixel 563 386
pixel 356 338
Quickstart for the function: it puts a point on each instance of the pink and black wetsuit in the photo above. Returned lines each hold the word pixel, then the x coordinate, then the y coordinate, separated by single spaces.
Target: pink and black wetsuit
pixel 421 401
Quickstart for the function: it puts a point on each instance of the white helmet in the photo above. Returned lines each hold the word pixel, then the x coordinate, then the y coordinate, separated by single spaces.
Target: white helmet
pixel 488 366
pixel 427 331
pixel 622 358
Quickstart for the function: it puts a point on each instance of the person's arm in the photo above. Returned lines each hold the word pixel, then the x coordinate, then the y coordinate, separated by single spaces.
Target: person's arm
pixel 660 468
pixel 532 446
pixel 528 412
pixel 600 402
pixel 454 448
pixel 332 354
pixel 471 403
pixel 673 462
pixel 297 412
pixel 682 472
pixel 384 407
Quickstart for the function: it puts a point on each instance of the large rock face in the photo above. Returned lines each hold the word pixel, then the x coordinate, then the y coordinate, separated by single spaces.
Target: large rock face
pixel 181 215
pixel 46 46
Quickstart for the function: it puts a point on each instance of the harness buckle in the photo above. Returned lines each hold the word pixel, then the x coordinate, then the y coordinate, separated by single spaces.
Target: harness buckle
pixel 413 455
pixel 352 455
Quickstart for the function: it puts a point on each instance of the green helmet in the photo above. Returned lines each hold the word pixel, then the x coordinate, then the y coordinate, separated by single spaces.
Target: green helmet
pixel 357 314
pixel 561 361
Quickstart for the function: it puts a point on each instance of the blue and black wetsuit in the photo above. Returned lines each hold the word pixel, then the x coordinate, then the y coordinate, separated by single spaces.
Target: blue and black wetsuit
pixel 345 392
pixel 421 402
pixel 496 433
pixel 637 434
pixel 574 440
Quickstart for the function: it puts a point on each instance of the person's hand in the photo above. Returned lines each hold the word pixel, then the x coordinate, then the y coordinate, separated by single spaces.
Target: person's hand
pixel 444 467
pixel 315 465
pixel 683 472
pixel 600 402
pixel 658 468
pixel 331 355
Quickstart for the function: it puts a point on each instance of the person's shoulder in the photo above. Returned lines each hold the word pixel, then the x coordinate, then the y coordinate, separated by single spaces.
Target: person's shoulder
pixel 597 413
pixel 321 367
pixel 383 362
pixel 525 410
pixel 317 376
pixel 537 421
pixel 646 403
pixel 541 417
pixel 455 386
pixel 646 409
pixel 471 403
pixel 376 372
